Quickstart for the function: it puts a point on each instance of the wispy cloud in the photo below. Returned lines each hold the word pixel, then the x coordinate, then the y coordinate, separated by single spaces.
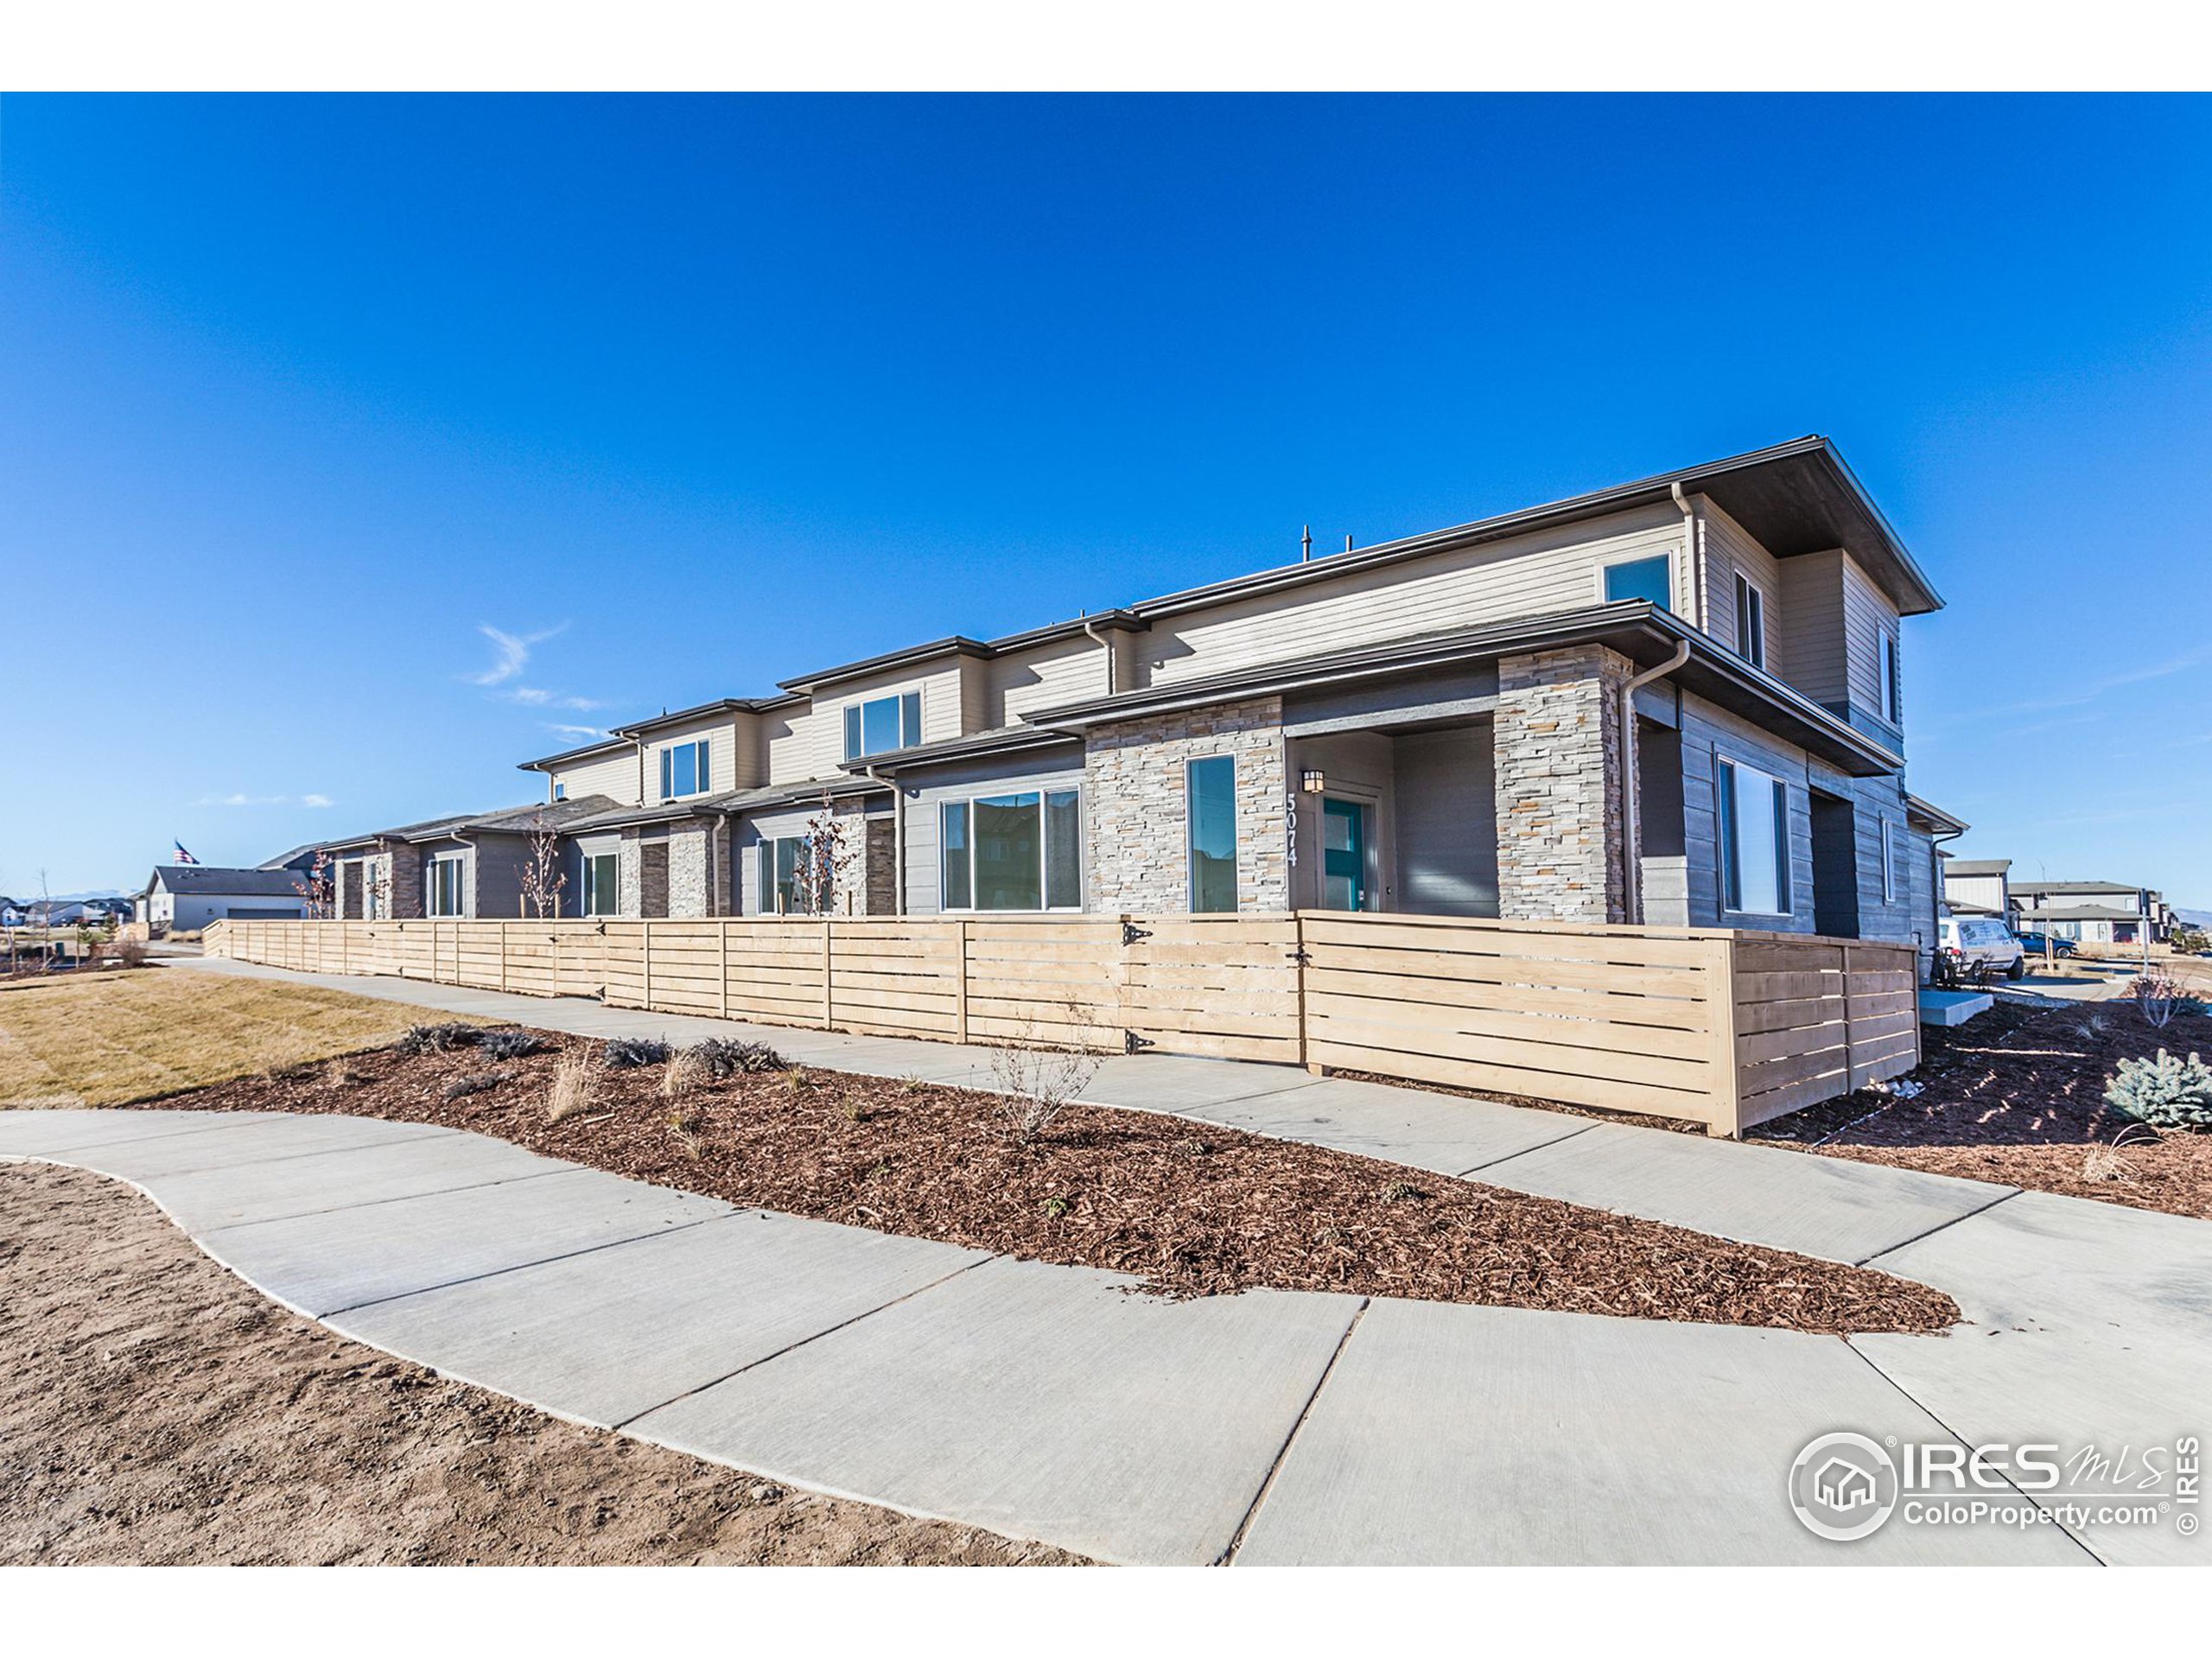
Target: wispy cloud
pixel 240 797
pixel 536 697
pixel 512 652
pixel 2090 690
pixel 574 731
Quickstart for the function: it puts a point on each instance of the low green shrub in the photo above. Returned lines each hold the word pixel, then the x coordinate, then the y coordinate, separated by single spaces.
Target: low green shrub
pixel 2166 1093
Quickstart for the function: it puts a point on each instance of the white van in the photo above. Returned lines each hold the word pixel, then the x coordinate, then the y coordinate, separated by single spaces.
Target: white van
pixel 1983 943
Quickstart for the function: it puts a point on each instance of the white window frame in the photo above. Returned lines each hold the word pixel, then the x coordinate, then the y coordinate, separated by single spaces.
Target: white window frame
pixel 1754 651
pixel 853 739
pixel 1728 824
pixel 1889 865
pixel 458 862
pixel 1043 794
pixel 1673 577
pixel 1889 666
pixel 702 769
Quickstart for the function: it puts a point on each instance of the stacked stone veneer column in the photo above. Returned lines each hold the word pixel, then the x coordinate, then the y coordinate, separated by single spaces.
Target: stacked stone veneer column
pixel 1559 762
pixel 690 870
pixel 1135 806
pixel 403 868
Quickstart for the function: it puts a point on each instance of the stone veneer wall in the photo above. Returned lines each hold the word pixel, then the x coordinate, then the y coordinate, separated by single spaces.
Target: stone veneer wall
pixel 1559 758
pixel 1135 807
pixel 631 870
pixel 880 886
pixel 690 870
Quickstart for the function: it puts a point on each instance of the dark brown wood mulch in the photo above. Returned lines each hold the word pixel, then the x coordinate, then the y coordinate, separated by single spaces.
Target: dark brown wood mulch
pixel 1191 1210
pixel 2017 1095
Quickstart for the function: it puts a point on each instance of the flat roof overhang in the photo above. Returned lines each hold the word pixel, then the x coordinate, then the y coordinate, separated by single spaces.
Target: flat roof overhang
pixel 1646 634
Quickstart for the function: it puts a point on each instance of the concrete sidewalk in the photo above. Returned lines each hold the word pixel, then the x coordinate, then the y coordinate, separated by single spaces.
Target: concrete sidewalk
pixel 1048 1402
pixel 2087 1321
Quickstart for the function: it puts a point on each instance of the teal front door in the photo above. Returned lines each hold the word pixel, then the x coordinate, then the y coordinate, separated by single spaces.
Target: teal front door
pixel 1344 856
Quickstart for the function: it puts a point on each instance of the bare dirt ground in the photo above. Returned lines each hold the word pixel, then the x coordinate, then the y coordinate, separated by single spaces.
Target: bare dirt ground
pixel 2017 1095
pixel 155 1409
pixel 1190 1209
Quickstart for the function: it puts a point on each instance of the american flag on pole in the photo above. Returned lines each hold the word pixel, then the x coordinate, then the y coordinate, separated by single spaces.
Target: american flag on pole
pixel 182 857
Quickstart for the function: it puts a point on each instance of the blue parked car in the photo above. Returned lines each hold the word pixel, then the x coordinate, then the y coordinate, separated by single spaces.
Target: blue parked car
pixel 2034 944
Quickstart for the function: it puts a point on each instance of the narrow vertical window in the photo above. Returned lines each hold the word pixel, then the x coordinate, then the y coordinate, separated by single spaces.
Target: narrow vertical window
pixel 1210 813
pixel 852 731
pixel 1063 851
pixel 1892 682
pixel 1750 623
pixel 958 890
pixel 1754 810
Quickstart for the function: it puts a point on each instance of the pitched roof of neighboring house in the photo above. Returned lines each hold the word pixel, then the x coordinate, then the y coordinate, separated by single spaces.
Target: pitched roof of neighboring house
pixel 2081 914
pixel 213 877
pixel 558 814
pixel 1979 867
pixel 2074 887
pixel 299 858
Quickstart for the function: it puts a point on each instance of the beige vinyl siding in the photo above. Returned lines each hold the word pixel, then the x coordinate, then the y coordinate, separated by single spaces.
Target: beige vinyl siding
pixel 804 741
pixel 809 742
pixel 1987 891
pixel 1066 670
pixel 1810 645
pixel 1710 735
pixel 614 777
pixel 1537 574
pixel 1867 614
pixel 1730 549
pixel 978 712
pixel 719 735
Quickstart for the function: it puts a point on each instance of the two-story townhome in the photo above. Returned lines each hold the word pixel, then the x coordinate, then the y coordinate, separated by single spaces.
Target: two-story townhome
pixel 1678 701
pixel 1978 886
pixel 2096 913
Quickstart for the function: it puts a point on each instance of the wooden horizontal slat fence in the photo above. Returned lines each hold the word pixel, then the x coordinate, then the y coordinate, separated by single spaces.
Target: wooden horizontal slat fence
pixel 1723 1028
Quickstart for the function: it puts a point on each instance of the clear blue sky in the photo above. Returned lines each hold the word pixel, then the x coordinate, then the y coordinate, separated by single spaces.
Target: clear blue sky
pixel 298 395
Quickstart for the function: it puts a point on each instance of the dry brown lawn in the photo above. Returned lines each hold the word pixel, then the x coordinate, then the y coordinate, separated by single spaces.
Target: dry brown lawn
pixel 107 1040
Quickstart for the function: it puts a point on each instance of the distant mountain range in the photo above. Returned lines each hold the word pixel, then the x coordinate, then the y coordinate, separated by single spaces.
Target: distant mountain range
pixel 72 898
pixel 2194 917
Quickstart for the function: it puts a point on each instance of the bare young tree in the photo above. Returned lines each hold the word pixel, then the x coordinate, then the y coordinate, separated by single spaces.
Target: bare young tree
pixel 543 881
pixel 318 887
pixel 1039 1076
pixel 825 857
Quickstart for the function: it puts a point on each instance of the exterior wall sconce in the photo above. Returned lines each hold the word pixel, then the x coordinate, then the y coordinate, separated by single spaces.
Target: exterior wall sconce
pixel 1311 781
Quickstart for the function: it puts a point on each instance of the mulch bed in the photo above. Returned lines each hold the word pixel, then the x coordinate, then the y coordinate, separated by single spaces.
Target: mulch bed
pixel 1190 1210
pixel 2017 1095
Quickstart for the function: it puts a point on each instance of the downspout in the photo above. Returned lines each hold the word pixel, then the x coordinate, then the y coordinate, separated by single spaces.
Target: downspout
pixel 1694 546
pixel 1091 628
pixel 897 838
pixel 1631 827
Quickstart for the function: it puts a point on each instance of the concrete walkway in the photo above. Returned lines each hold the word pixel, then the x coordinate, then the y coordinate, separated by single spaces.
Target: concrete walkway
pixel 1043 1401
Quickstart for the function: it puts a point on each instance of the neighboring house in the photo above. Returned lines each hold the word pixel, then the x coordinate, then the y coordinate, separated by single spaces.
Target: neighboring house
pixel 2096 913
pixel 189 896
pixel 299 860
pixel 474 865
pixel 1978 887
pixel 1679 701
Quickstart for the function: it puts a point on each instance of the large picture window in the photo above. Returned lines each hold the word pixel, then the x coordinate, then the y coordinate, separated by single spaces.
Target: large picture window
pixel 1012 852
pixel 1754 842
pixel 446 886
pixel 603 886
pixel 783 890
pixel 1210 789
pixel 882 725
pixel 683 771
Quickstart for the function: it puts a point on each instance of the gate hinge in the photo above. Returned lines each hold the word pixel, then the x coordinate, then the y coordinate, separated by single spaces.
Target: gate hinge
pixel 1302 957
pixel 1131 933
pixel 1133 1044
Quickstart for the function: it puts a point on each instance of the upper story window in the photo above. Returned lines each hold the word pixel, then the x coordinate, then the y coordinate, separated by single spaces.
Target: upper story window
pixel 1651 579
pixel 1750 622
pixel 683 770
pixel 882 724
pixel 1892 687
pixel 560 791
